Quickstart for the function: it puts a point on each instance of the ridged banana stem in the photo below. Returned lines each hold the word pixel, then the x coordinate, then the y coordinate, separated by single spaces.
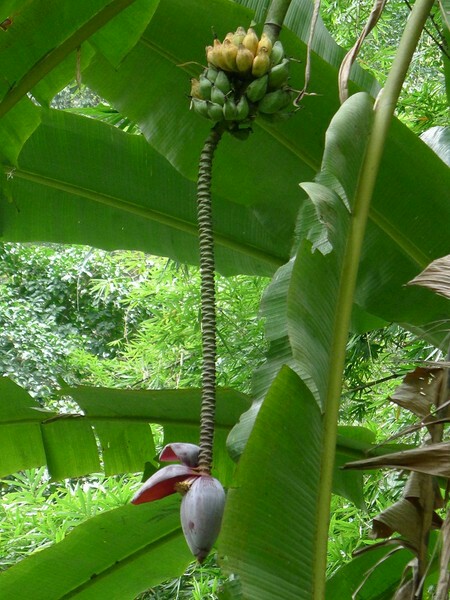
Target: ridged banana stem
pixel 208 298
pixel 275 17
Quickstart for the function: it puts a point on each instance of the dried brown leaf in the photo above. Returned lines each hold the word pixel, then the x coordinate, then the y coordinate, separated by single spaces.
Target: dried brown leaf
pixel 403 518
pixel 436 277
pixel 419 390
pixel 433 459
pixel 415 489
pixel 350 57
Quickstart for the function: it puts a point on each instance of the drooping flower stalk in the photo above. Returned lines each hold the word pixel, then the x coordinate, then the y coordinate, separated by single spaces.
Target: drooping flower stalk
pixel 208 297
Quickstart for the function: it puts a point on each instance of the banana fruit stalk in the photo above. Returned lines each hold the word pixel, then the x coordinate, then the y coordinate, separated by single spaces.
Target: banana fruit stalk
pixel 245 76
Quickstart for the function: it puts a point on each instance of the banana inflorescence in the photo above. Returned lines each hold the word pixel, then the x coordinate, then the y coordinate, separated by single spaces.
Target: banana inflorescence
pixel 245 76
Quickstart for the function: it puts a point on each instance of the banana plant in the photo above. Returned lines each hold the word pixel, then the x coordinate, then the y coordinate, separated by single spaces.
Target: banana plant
pixel 342 205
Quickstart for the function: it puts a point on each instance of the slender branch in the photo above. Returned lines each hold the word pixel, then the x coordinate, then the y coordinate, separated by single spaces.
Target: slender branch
pixel 383 117
pixel 208 297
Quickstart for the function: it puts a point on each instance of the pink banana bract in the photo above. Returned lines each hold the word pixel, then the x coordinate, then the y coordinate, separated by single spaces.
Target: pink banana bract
pixel 203 500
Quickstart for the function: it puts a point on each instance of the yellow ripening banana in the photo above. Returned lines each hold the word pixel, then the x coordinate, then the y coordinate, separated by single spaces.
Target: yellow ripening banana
pixel 257 88
pixel 265 42
pixel 229 52
pixel 251 41
pixel 239 35
pixel 274 101
pixel 261 63
pixel 244 59
pixel 209 51
pixel 217 54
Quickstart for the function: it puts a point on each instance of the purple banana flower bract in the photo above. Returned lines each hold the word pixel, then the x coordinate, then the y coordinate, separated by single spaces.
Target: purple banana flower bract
pixel 203 500
pixel 201 514
pixel 186 454
pixel 162 483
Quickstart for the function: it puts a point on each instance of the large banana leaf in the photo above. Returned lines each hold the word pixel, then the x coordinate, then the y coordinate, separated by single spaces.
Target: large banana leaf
pixel 306 331
pixel 269 528
pixel 119 419
pixel 256 192
pixel 117 554
pixel 75 173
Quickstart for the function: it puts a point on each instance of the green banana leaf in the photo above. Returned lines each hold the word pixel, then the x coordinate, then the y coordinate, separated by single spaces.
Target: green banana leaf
pixel 304 335
pixel 119 419
pixel 256 193
pixel 60 194
pixel 269 528
pixel 117 554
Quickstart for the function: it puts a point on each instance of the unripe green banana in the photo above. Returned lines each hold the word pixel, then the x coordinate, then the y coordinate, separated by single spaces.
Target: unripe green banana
pixel 278 75
pixel 200 107
pixel 277 54
pixel 205 86
pixel 274 101
pixel 211 73
pixel 229 109
pixel 215 111
pixel 217 96
pixel 257 88
pixel 242 109
pixel 222 82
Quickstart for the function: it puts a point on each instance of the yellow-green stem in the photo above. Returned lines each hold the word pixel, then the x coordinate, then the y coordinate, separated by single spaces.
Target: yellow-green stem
pixel 382 120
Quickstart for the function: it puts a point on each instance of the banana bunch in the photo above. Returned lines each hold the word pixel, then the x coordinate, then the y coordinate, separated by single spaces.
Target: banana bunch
pixel 245 76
